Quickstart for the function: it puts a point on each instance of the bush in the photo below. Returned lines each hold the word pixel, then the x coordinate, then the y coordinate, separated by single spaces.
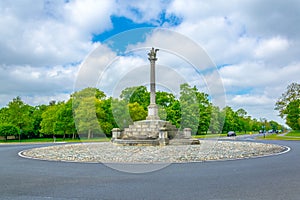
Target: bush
pixel 8 130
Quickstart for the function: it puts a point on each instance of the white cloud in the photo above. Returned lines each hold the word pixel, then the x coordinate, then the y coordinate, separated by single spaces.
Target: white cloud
pixel 53 36
pixel 141 11
pixel 252 100
pixel 271 47
pixel 90 16
pixel 36 83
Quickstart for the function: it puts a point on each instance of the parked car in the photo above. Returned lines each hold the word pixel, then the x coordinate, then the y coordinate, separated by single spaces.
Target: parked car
pixel 231 133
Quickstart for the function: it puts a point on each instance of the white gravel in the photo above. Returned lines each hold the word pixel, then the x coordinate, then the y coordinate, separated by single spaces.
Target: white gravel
pixel 106 152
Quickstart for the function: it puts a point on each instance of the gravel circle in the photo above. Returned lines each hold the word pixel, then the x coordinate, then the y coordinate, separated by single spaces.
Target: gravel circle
pixel 106 152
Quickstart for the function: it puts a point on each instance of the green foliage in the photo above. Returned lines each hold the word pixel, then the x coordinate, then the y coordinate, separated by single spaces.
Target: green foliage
pixel 293 114
pixel 121 113
pixel 8 130
pixel 189 107
pixel 136 94
pixel 37 119
pixel 96 114
pixel 288 105
pixel 64 120
pixel 49 119
pixel 137 111
pixel 231 120
pixel 20 115
pixel 217 120
pixel 292 94
pixel 85 116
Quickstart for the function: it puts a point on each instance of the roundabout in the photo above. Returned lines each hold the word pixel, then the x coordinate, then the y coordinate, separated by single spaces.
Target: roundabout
pixel 107 152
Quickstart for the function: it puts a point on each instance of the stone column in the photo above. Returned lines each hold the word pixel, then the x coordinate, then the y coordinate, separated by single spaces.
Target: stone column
pixel 152 108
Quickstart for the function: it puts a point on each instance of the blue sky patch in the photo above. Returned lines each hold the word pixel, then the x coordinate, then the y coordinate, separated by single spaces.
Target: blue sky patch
pixel 120 24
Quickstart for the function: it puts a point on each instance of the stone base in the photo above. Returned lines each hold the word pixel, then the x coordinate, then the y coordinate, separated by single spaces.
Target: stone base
pixel 148 129
pixel 152 133
pixel 184 141
pixel 132 142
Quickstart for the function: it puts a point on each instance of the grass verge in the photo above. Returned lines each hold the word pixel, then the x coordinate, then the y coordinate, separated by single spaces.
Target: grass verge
pixel 293 135
pixel 49 140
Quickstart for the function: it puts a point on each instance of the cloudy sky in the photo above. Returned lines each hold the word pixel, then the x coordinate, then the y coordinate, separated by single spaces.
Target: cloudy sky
pixel 254 45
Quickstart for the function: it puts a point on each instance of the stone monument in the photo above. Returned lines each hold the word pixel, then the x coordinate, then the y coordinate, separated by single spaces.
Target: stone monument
pixel 152 108
pixel 152 131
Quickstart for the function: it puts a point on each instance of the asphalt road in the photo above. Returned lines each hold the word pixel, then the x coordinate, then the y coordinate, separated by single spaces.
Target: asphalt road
pixel 273 177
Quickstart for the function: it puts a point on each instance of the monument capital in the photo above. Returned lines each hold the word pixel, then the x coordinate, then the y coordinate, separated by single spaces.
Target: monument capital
pixel 152 54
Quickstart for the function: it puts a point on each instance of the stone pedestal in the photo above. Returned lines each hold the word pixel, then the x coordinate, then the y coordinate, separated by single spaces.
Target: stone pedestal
pixel 187 132
pixel 163 136
pixel 146 132
pixel 152 112
pixel 116 133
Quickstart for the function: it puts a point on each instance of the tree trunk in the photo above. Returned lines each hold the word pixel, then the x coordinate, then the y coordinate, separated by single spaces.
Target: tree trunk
pixel 89 134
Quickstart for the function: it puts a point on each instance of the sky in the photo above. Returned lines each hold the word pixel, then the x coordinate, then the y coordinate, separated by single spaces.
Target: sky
pixel 253 44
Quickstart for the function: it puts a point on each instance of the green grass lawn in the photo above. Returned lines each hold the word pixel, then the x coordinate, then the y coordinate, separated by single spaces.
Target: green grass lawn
pixel 292 135
pixel 47 140
pixel 209 136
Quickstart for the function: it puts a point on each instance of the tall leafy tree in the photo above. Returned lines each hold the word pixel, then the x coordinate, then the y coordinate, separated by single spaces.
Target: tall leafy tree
pixel 242 120
pixel 65 122
pixel 137 94
pixel 19 115
pixel 217 120
pixel 189 107
pixel 231 119
pixel 292 93
pixel 105 116
pixel 49 120
pixel 37 119
pixel 86 113
pixel 8 130
pixel 169 107
pixel 4 115
pixel 195 109
pixel 137 111
pixel 205 112
pixel 121 113
pixel 293 114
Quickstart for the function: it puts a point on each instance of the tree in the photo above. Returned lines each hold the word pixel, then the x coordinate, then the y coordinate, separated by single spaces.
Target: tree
pixel 87 110
pixel 195 109
pixel 230 123
pixel 137 94
pixel 168 107
pixel 19 115
pixel 4 115
pixel 8 130
pixel 105 116
pixel 174 113
pixel 65 122
pixel 242 120
pixel 205 112
pixel 37 119
pixel 189 107
pixel 217 120
pixel 49 120
pixel 292 94
pixel 121 113
pixel 137 111
pixel 293 114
